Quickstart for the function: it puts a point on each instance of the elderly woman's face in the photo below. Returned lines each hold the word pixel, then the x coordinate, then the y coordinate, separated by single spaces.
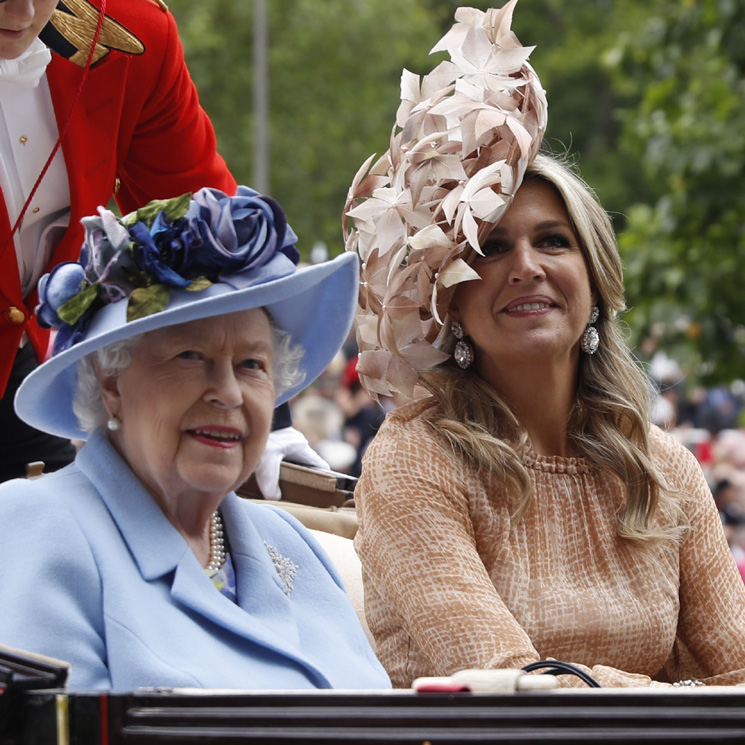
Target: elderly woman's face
pixel 533 301
pixel 196 405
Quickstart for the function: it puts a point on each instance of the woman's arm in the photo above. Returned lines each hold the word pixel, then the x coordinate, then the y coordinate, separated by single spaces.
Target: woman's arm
pixel 710 643
pixel 421 566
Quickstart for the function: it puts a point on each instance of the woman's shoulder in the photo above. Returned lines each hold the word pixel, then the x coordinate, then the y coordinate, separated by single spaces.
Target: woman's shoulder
pixel 48 494
pixel 277 527
pixel 409 421
pixel 410 449
pixel 407 434
pixel 414 410
pixel 668 449
pixel 676 461
pixel 284 536
pixel 50 514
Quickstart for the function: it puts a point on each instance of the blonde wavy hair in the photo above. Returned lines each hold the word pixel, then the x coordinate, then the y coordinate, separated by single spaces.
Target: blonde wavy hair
pixel 609 422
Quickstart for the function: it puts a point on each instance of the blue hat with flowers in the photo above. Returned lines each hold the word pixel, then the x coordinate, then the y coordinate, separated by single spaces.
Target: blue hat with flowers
pixel 179 260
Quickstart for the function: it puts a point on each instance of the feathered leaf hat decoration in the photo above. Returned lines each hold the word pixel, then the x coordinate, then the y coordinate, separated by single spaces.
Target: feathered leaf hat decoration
pixel 464 136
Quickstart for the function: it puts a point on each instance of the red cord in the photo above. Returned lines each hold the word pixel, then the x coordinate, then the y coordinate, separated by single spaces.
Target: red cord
pixel 57 146
pixel 104 718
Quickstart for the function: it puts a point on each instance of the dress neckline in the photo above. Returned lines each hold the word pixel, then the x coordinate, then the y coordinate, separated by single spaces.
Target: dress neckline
pixel 555 463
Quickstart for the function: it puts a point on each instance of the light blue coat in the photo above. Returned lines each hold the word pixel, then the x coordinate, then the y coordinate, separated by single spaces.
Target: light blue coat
pixel 92 572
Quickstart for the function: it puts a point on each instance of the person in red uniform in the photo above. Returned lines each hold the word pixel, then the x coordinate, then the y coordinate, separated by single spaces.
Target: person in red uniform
pixel 130 126
pixel 137 132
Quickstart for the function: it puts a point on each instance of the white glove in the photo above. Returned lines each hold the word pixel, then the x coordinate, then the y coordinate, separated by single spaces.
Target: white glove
pixel 286 443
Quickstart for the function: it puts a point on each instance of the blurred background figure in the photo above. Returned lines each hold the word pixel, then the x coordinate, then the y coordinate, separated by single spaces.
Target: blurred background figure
pixel 337 415
pixel 362 415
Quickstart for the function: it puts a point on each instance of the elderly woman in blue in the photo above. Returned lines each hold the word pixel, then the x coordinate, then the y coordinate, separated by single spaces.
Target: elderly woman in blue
pixel 179 330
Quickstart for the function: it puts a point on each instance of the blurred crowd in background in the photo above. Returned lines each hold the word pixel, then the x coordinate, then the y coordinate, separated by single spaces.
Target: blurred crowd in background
pixel 336 414
pixel 711 423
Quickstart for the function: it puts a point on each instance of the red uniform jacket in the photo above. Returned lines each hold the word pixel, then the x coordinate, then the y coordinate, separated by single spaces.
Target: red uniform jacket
pixel 138 126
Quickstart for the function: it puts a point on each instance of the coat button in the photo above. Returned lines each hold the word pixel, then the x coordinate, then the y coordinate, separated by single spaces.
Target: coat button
pixel 15 315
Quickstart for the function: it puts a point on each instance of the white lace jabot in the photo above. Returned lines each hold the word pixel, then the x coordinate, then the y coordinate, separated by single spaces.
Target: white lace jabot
pixel 27 69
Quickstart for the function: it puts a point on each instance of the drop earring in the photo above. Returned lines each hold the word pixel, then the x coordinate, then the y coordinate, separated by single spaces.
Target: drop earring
pixel 463 352
pixel 591 338
pixel 113 424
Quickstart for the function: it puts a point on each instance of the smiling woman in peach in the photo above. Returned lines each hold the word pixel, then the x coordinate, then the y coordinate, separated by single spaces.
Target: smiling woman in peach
pixel 519 505
pixel 526 316
pixel 179 331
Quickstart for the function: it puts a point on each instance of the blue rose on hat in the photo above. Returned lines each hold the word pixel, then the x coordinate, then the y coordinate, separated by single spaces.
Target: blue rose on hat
pixel 239 234
pixel 104 258
pixel 62 284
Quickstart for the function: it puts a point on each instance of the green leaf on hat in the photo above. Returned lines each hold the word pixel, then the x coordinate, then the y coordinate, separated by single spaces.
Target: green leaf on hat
pixel 76 306
pixel 199 284
pixel 145 301
pixel 174 208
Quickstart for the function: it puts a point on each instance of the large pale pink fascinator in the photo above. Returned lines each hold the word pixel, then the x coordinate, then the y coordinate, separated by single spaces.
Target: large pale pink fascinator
pixel 463 138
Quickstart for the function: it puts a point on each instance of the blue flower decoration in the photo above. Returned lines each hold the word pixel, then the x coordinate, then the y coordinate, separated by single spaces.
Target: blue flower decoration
pixel 186 242
pixel 155 263
pixel 240 233
pixel 62 284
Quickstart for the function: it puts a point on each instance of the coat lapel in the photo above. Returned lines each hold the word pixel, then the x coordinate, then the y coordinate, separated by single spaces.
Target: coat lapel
pixel 264 614
pixel 156 546
pixel 10 280
pixel 89 146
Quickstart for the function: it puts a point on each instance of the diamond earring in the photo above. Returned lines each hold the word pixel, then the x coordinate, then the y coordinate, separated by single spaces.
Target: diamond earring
pixel 463 352
pixel 591 338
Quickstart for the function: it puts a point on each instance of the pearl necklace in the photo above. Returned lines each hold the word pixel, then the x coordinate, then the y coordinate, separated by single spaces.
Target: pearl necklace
pixel 217 544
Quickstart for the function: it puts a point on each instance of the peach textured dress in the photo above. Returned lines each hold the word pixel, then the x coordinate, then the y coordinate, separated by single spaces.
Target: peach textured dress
pixel 452 582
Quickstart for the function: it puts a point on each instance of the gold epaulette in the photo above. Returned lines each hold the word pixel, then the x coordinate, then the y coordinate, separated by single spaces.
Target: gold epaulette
pixel 75 23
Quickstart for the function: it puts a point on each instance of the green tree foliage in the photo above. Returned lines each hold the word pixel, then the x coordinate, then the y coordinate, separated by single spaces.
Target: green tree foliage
pixel 335 67
pixel 685 249
pixel 573 39
pixel 334 79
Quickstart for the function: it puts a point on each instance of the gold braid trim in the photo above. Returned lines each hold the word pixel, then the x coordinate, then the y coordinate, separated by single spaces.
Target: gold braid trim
pixel 79 28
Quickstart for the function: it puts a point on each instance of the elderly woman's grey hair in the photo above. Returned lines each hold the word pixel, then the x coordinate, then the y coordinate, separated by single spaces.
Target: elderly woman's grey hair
pixel 115 358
